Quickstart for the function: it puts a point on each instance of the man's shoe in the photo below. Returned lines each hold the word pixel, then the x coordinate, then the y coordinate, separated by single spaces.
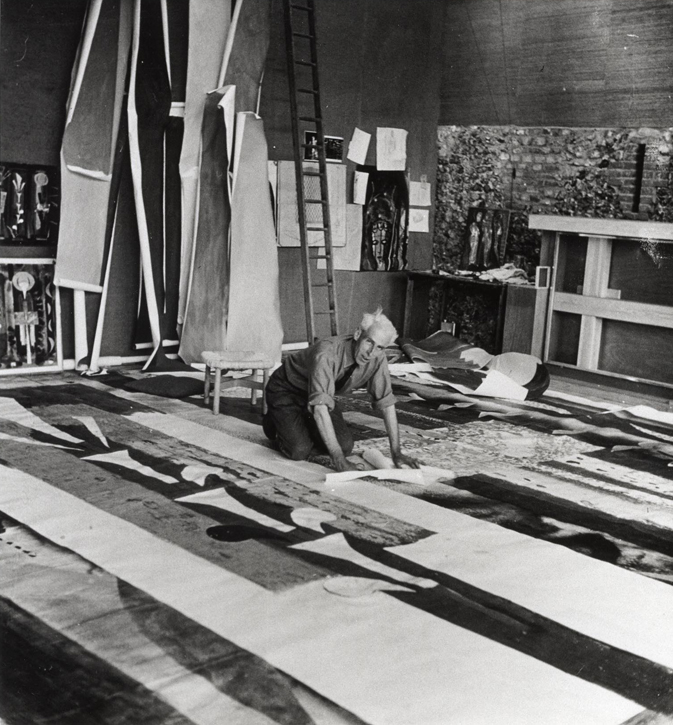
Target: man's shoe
pixel 269 427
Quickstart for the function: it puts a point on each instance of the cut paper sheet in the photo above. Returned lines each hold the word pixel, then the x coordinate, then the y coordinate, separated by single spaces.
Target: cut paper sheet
pixel 419 193
pixel 122 458
pixel 253 321
pixel 497 385
pixel 385 470
pixel 391 149
pixel 419 220
pixel 350 256
pixel 354 587
pixel 338 547
pixel 89 142
pixel 13 411
pixel 219 498
pixel 404 475
pixel 208 27
pixel 360 179
pixel 358 146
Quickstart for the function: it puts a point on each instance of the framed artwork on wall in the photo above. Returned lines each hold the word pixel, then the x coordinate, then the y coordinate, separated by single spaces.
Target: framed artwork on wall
pixel 334 147
pixel 28 314
pixel 485 240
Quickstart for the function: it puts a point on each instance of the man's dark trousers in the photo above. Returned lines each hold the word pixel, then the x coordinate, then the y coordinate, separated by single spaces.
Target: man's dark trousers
pixel 289 422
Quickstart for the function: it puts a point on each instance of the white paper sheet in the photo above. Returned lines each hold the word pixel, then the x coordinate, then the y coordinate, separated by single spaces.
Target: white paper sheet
pixel 419 193
pixel 406 475
pixel 497 385
pixel 350 256
pixel 335 545
pixel 358 146
pixel 123 458
pixel 360 180
pixel 391 149
pixel 419 220
pixel 219 498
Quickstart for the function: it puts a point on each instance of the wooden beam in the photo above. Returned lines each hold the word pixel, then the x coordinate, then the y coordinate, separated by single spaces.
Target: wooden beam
pixel 602 227
pixel 636 312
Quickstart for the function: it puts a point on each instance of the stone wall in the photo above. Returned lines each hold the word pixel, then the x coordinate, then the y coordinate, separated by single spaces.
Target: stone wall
pixel 569 171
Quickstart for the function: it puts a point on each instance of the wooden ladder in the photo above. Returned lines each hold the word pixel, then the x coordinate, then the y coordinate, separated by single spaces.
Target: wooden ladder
pixel 312 203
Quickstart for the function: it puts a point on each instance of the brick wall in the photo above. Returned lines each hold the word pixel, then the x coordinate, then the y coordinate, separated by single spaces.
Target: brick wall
pixel 570 171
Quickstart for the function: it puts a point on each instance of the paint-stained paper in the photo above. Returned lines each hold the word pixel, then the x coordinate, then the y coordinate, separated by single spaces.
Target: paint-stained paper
pixel 419 220
pixel 360 181
pixel 358 146
pixel 419 193
pixel 391 149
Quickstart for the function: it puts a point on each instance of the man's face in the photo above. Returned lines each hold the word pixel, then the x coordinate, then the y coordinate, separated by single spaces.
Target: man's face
pixel 370 344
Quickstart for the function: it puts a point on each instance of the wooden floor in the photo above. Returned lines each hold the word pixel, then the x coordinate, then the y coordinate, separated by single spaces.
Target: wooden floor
pixel 164 565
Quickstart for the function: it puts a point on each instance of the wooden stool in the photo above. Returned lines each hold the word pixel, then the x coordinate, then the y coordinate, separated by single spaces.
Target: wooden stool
pixel 235 360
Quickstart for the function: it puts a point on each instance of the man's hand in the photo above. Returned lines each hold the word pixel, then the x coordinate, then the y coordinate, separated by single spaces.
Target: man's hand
pixel 403 461
pixel 343 464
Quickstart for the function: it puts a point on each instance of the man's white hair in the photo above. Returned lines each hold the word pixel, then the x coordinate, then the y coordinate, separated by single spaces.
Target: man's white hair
pixel 378 318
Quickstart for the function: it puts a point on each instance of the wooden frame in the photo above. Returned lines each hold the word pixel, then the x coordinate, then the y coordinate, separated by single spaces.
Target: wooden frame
pixel 597 301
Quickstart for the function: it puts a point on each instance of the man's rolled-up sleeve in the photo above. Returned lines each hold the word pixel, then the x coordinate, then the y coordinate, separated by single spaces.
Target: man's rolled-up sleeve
pixel 380 388
pixel 321 386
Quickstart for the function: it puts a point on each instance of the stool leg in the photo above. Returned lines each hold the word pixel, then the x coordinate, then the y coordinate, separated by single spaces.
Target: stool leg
pixel 216 394
pixel 206 387
pixel 265 380
pixel 253 390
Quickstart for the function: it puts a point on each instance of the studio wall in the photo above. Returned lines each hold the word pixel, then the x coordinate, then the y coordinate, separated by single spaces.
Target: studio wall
pixel 380 64
pixel 595 63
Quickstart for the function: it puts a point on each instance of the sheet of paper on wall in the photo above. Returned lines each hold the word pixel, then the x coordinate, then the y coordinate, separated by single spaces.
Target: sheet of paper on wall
pixel 391 149
pixel 349 257
pixel 419 220
pixel 419 193
pixel 358 146
pixel 288 217
pixel 360 180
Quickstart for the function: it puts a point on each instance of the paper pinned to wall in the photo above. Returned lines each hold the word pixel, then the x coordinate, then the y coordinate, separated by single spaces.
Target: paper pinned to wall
pixel 419 220
pixel 358 146
pixel 360 181
pixel 288 218
pixel 419 193
pixel 391 149
pixel 350 256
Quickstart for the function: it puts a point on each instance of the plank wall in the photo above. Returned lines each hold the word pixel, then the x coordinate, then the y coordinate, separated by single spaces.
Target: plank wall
pixel 562 63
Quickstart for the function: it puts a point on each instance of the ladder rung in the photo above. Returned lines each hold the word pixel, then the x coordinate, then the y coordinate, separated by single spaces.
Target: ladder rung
pixel 311 145
pixel 313 173
pixel 306 90
pixel 319 256
pixel 300 7
pixel 304 62
pixel 303 35
pixel 331 312
pixel 315 201
pixel 314 119
pixel 328 284
pixel 316 229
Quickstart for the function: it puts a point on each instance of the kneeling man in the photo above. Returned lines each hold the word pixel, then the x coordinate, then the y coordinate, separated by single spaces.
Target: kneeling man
pixel 303 416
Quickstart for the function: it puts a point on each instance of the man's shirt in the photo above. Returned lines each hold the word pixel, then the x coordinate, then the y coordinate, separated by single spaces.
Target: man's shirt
pixel 316 369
